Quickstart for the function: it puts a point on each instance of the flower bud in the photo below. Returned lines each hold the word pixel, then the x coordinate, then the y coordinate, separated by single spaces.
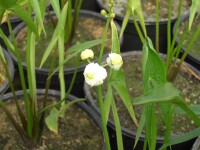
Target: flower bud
pixel 103 12
pixel 110 5
pixel 87 54
pixel 112 15
pixel 114 61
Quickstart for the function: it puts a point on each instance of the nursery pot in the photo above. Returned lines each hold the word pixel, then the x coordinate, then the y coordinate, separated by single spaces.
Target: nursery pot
pixel 196 145
pixel 193 57
pixel 131 37
pixel 89 5
pixel 5 85
pixel 42 74
pixel 4 28
pixel 134 76
pixel 79 120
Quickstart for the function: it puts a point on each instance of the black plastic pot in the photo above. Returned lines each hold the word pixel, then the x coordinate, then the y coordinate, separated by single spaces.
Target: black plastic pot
pixel 190 58
pixel 42 74
pixel 127 134
pixel 89 5
pixel 11 70
pixel 4 27
pixel 56 94
pixel 131 37
pixel 196 145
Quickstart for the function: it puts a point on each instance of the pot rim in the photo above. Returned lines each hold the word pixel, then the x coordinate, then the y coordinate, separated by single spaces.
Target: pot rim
pixel 11 70
pixel 120 17
pixel 54 93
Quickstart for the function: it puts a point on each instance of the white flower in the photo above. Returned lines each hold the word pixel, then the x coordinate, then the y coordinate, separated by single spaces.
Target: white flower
pixel 94 74
pixel 114 61
pixel 87 54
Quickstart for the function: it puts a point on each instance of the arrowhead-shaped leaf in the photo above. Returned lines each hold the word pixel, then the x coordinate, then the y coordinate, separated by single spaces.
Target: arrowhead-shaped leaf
pixel 52 120
pixel 153 68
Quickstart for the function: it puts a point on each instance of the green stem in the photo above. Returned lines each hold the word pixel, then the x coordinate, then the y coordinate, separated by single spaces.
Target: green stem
pixel 168 123
pixel 190 44
pixel 142 38
pixel 175 51
pixel 103 41
pixel 157 26
pixel 177 25
pixel 103 118
pixel 68 24
pixel 22 79
pixel 77 7
pixel 41 115
pixel 73 80
pixel 169 33
pixel 175 54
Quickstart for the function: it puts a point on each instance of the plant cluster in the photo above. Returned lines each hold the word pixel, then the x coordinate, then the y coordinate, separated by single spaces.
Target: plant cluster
pixel 32 121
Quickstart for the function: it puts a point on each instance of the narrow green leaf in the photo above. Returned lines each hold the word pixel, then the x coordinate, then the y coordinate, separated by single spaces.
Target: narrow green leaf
pixel 194 8
pixel 2 55
pixel 167 117
pixel 69 21
pixel 36 8
pixel 117 126
pixel 125 21
pixel 56 7
pixel 23 14
pixel 43 7
pixel 6 41
pixel 56 35
pixel 140 128
pixel 123 93
pixel 52 120
pixel 182 138
pixel 148 127
pixel 195 108
pixel 135 7
pixel 108 101
pixel 153 128
pixel 139 13
pixel 115 40
pixel 51 45
pixel 117 80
